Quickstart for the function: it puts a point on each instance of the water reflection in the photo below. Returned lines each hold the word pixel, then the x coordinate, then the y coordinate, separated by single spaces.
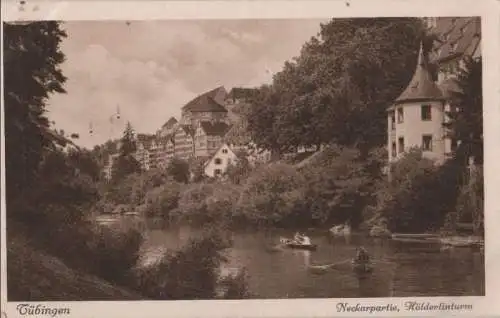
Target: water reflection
pixel 400 269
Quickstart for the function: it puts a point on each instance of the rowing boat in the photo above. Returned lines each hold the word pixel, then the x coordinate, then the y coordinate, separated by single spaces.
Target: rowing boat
pixel 296 245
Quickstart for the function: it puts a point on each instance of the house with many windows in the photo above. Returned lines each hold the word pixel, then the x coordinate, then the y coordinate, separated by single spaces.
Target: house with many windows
pixel 417 116
pixel 183 142
pixel 209 137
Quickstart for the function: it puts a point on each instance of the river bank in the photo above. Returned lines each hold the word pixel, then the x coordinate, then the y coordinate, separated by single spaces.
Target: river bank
pixel 34 275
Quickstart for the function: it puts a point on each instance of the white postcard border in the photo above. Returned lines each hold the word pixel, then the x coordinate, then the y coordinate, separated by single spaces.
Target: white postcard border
pixel 141 10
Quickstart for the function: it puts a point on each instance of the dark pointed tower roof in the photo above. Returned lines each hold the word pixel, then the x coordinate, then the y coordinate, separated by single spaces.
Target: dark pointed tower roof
pixel 421 87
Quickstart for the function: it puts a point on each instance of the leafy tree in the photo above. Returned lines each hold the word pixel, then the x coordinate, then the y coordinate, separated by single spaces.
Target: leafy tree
pixel 179 170
pixel 239 171
pixel 261 120
pixel 86 163
pixel 191 273
pixel 338 185
pixel 162 200
pixel 466 116
pixel 418 195
pixel 32 59
pixel 266 196
pixel 196 169
pixel 324 95
pixel 470 202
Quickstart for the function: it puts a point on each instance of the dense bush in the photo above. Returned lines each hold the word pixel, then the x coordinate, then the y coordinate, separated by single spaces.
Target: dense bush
pixel 162 200
pixel 470 202
pixel 418 195
pixel 207 202
pixel 188 274
pixel 239 171
pixel 113 254
pixel 270 194
pixel 236 287
pixel 179 170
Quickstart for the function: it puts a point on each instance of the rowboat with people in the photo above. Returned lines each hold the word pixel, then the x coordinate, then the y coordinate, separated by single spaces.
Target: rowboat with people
pixel 361 264
pixel 298 242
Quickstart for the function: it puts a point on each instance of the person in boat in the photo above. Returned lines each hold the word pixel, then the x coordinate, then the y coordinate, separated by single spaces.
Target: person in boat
pixel 362 262
pixel 306 240
pixel 362 256
pixel 298 237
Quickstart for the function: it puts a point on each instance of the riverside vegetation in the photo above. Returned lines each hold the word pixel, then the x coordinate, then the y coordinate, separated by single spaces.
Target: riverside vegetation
pixel 52 196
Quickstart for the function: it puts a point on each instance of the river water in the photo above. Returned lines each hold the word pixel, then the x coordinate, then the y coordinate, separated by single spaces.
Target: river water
pixel 400 269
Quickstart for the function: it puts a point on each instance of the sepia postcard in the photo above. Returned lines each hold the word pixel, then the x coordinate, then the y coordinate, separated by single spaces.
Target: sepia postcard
pixel 250 158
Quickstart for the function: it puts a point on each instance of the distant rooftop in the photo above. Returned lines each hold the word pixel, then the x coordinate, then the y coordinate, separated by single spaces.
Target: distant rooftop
pixel 170 123
pixel 208 102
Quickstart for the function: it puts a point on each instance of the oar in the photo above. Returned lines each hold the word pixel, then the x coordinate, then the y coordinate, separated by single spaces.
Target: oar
pixel 326 266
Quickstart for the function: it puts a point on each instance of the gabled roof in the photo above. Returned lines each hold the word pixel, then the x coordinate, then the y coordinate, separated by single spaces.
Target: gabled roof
pixel 170 123
pixel 215 129
pixel 459 36
pixel 212 157
pixel 207 102
pixel 421 87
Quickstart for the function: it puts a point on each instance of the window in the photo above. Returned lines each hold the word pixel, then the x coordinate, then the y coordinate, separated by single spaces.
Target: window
pixel 218 161
pixel 229 161
pixel 217 172
pixel 224 150
pixel 400 115
pixel 393 149
pixel 393 121
pixel 425 112
pixel 454 145
pixel 401 144
pixel 427 142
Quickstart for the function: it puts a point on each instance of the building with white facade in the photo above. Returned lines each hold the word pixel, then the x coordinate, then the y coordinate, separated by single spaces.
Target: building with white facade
pixel 417 116
pixel 217 165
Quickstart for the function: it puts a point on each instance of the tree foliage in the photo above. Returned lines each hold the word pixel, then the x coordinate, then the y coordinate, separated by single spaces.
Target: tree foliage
pixel 466 115
pixel 179 170
pixel 32 72
pixel 126 164
pixel 418 195
pixel 338 88
pixel 188 274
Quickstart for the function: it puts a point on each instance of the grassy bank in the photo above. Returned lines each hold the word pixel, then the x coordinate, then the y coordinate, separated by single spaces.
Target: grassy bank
pixel 34 275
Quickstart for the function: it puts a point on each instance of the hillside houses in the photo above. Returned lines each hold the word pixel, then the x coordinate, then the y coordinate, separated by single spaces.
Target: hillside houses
pixel 199 133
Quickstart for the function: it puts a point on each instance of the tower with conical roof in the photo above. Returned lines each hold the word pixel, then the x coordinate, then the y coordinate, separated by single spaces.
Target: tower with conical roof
pixel 416 118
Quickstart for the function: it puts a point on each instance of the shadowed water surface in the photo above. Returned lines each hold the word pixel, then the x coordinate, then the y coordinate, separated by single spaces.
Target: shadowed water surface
pixel 401 269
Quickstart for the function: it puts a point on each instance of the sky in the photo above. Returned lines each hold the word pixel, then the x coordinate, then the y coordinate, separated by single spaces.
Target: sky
pixel 148 70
